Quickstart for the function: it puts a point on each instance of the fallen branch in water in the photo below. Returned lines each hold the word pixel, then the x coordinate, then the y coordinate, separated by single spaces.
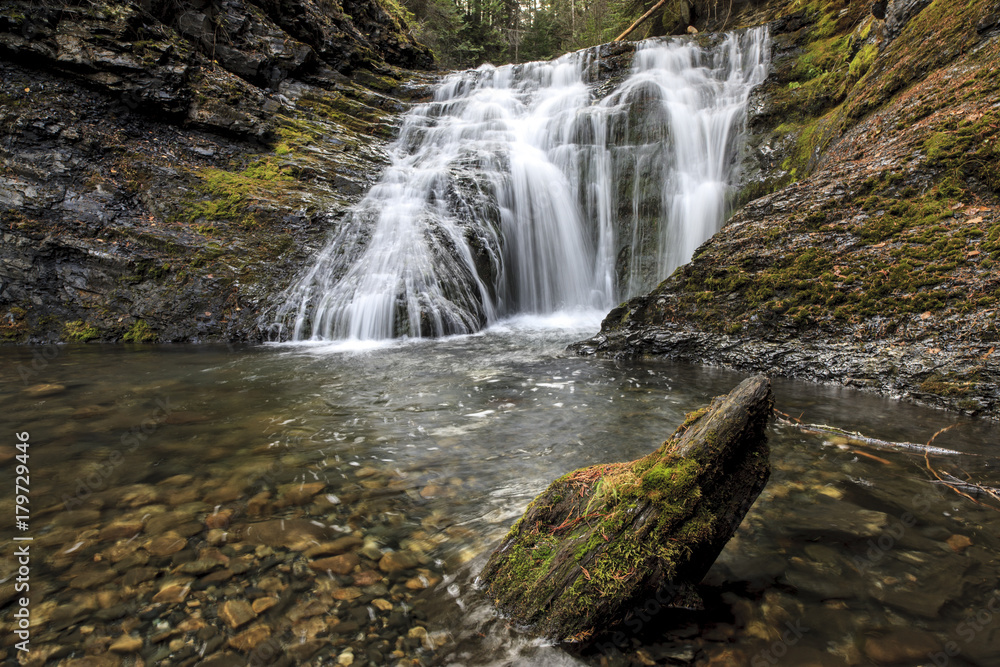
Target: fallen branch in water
pixel 953 482
pixel 872 457
pixel 856 438
pixel 941 477
pixel 956 483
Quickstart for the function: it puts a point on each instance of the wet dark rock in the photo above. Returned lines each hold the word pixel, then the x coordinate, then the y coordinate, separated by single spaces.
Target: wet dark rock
pixel 118 121
pixel 900 645
pixel 93 578
pixel 152 613
pixel 346 627
pixel 830 519
pixel 267 563
pixel 199 566
pixel 303 651
pixel 137 575
pixel 214 643
pixel 224 660
pixel 925 597
pixel 397 620
pixel 214 579
pixel 113 613
pixel 183 557
pixel 657 526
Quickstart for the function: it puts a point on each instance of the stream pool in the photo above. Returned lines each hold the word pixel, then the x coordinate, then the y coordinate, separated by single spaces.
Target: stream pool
pixel 182 496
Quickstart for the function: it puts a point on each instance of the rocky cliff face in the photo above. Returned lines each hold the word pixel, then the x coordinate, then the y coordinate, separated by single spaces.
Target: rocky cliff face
pixel 871 259
pixel 163 166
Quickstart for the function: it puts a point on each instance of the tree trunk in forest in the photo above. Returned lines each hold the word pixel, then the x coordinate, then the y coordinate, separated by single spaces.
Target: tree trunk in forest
pixel 639 21
pixel 602 540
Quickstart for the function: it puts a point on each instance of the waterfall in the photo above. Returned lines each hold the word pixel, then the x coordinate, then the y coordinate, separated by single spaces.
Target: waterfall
pixel 524 189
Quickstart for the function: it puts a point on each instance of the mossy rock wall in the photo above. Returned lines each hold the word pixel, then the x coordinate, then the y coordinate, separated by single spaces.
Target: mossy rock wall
pixel 171 165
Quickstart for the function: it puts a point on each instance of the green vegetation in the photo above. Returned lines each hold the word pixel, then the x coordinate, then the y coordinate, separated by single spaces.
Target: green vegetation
pixel 615 491
pixel 229 195
pixel 948 384
pixel 79 332
pixel 933 37
pixel 807 103
pixel 880 255
pixel 968 148
pixel 862 61
pixel 353 114
pixel 904 243
pixel 13 325
pixel 600 536
pixel 140 332
pixel 466 33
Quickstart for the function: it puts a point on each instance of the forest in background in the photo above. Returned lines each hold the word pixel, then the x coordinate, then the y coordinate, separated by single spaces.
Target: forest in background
pixel 467 33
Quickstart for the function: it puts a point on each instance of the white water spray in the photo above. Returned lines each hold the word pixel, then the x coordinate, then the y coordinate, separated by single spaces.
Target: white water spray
pixel 517 191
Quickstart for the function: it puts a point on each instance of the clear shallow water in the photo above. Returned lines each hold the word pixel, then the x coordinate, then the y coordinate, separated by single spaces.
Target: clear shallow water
pixel 434 448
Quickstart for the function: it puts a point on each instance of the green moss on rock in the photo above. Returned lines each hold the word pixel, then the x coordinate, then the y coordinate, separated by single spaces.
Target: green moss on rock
pixel 140 332
pixel 79 331
pixel 601 537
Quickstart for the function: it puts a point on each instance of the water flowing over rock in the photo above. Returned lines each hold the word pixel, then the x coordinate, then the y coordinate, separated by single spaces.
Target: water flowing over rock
pixel 602 540
pixel 534 188
pixel 876 269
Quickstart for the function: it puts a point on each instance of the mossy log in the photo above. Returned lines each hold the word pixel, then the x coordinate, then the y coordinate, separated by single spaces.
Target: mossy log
pixel 604 539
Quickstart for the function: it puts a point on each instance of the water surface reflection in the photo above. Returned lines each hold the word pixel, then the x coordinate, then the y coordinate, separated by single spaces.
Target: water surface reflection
pixel 202 482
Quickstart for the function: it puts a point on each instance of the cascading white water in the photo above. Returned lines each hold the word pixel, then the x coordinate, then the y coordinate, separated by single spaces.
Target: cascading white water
pixel 704 94
pixel 517 190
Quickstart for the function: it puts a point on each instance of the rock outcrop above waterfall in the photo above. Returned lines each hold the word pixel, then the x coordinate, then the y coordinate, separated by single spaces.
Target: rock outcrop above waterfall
pixel 166 166
pixel 873 260
pixel 602 541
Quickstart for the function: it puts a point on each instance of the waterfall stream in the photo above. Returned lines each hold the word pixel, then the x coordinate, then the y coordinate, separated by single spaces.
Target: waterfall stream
pixel 534 189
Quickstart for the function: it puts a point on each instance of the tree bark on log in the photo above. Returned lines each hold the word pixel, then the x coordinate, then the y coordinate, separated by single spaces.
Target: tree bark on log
pixel 639 20
pixel 602 540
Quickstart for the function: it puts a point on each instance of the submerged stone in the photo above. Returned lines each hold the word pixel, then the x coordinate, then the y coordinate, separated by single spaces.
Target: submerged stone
pixel 605 539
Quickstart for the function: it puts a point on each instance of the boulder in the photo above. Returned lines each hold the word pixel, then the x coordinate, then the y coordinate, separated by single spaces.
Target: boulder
pixel 605 539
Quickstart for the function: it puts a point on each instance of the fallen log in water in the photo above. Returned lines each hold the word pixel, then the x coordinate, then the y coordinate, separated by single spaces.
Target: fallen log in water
pixel 602 539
